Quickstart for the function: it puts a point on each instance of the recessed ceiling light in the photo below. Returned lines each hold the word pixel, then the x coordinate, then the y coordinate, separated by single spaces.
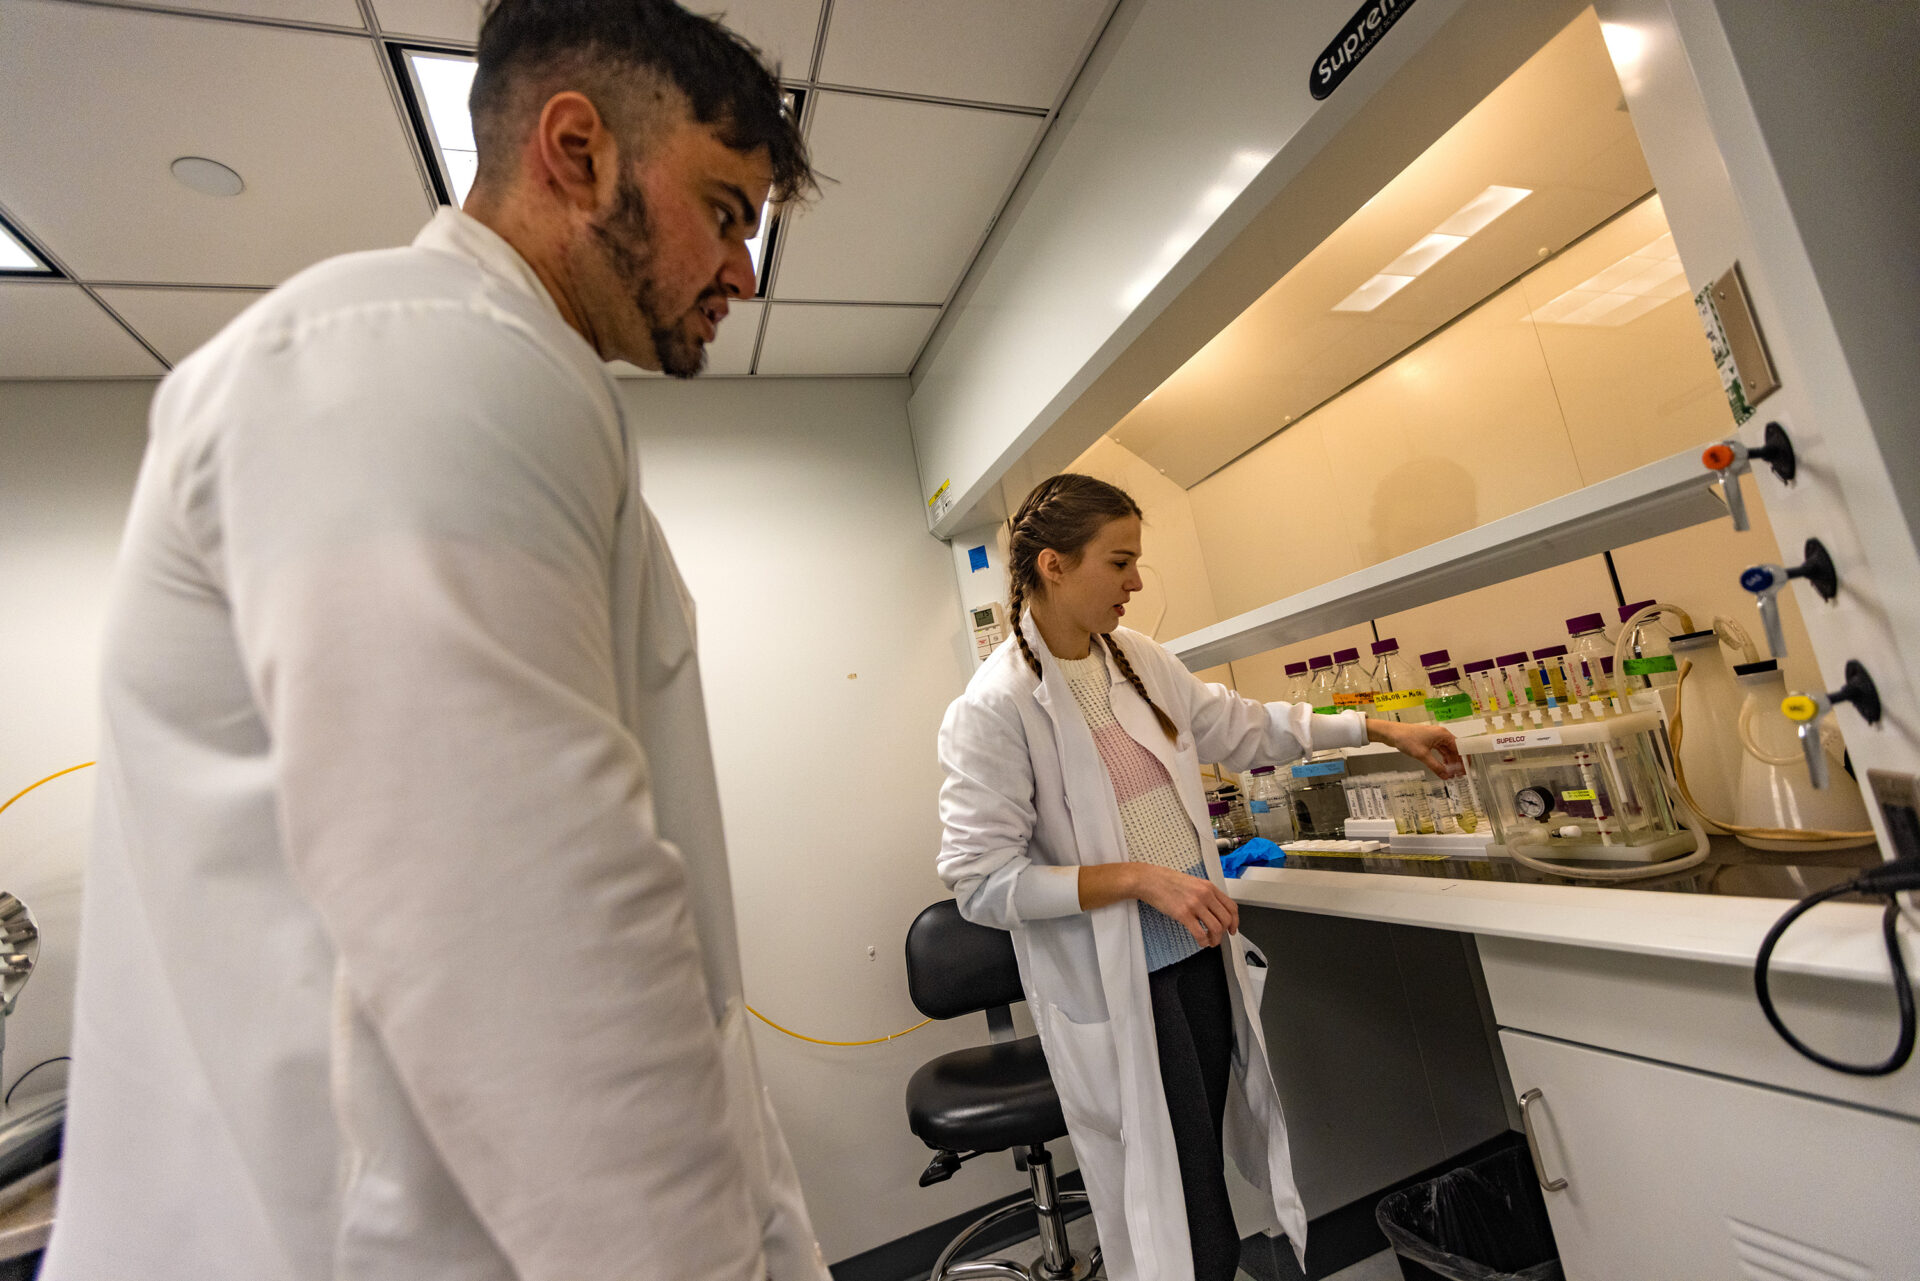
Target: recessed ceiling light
pixel 15 256
pixel 208 177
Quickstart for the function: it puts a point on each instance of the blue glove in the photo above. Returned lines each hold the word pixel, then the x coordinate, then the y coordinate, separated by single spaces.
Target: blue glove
pixel 1258 852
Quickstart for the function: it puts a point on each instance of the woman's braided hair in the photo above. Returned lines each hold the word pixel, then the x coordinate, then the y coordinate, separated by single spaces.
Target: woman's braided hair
pixel 1064 513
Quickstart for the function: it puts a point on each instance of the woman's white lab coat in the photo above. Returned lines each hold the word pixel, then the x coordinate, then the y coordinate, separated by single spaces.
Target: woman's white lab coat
pixel 1027 796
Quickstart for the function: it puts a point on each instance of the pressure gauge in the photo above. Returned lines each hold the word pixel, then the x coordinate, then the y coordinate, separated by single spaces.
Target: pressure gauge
pixel 1534 803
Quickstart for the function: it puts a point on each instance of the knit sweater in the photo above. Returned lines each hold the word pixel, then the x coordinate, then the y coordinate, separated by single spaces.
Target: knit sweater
pixel 1155 823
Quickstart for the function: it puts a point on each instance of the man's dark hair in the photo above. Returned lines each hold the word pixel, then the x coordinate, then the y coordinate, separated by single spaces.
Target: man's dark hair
pixel 629 57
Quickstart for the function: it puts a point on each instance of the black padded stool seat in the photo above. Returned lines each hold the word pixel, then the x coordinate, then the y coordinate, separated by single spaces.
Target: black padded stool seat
pixel 986 1098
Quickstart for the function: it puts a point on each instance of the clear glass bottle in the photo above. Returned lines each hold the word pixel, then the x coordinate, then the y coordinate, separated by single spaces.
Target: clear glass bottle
pixel 1320 684
pixel 1446 701
pixel 1319 799
pixel 1399 692
pixel 1217 814
pixel 1296 691
pixel 1271 807
pixel 1650 658
pixel 1352 687
pixel 1587 645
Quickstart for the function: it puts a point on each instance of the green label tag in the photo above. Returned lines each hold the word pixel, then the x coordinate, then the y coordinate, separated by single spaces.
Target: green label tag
pixel 1450 708
pixel 1400 699
pixel 1651 666
pixel 1325 711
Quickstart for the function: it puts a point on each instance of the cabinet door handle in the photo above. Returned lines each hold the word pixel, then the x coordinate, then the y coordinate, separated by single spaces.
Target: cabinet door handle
pixel 1527 1101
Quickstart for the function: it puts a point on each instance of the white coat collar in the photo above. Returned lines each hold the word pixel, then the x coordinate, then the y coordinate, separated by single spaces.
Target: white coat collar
pixel 452 232
pixel 1052 681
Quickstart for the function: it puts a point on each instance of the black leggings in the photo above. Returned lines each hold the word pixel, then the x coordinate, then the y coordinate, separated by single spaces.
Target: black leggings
pixel 1193 1025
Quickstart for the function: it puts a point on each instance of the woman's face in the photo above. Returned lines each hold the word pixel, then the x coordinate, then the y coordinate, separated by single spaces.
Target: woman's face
pixel 1092 593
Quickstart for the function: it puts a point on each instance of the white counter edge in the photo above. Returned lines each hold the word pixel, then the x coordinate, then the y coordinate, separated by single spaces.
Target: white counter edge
pixel 1835 940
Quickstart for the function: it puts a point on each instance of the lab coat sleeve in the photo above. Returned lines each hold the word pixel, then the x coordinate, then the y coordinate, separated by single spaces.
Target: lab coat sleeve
pixel 414 525
pixel 1240 733
pixel 987 821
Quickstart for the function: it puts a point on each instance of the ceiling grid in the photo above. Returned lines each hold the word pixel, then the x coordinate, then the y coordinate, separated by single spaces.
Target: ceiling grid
pixel 932 109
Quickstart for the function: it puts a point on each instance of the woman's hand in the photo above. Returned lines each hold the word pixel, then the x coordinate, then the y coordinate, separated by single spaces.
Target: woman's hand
pixel 1194 901
pixel 1432 745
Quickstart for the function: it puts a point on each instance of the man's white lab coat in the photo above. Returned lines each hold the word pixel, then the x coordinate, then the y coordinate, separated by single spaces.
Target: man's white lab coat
pixel 408 948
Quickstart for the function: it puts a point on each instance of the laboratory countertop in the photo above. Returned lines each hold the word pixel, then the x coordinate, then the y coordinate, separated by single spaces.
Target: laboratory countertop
pixel 1834 940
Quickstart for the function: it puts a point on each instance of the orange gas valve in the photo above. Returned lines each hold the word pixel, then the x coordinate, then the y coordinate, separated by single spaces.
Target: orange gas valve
pixel 1718 457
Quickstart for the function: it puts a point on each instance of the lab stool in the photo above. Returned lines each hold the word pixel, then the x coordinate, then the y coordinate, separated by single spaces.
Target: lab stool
pixel 989 1098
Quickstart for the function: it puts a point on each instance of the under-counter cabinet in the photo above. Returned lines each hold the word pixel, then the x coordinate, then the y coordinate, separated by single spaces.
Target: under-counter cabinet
pixel 1677 1175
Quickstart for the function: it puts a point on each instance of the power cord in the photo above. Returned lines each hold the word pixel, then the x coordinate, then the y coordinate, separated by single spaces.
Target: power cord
pixel 1888 879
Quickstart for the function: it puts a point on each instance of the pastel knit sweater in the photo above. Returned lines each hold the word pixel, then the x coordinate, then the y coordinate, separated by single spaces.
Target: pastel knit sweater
pixel 1155 823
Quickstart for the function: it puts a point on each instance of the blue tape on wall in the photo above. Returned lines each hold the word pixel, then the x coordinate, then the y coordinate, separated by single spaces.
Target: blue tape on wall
pixel 977 557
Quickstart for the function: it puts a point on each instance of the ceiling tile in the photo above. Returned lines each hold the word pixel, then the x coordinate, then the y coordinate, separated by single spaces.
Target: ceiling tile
pixel 306 120
pixel 454 20
pixel 812 339
pixel 337 13
pixel 913 188
pixel 782 30
pixel 56 331
pixel 729 355
pixel 1007 51
pixel 175 321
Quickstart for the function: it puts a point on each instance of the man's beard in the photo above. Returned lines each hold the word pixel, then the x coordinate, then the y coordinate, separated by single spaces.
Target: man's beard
pixel 681 355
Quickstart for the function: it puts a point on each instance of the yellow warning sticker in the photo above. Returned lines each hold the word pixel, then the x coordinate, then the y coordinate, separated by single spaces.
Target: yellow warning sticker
pixel 1580 794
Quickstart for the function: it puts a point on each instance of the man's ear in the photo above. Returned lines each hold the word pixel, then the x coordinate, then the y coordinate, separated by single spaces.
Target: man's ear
pixel 573 153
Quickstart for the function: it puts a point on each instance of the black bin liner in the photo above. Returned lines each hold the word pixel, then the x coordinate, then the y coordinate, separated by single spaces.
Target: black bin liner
pixel 1482 1222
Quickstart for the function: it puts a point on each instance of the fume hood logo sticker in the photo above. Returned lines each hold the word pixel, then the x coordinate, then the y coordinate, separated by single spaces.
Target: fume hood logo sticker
pixel 1355 41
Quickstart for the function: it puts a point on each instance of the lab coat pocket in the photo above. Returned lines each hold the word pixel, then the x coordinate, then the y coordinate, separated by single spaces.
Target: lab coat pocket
pixel 1256 974
pixel 1085 1067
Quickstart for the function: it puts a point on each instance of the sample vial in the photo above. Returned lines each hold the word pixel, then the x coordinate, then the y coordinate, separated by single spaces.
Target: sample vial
pixel 1585 650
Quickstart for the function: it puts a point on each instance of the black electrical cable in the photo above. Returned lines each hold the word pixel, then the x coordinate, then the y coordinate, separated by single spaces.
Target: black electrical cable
pixel 1888 879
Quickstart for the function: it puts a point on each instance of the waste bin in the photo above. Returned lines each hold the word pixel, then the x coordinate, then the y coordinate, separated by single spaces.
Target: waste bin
pixel 1483 1222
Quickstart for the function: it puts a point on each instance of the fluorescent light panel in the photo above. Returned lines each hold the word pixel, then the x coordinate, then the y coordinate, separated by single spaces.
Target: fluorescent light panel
pixel 1431 248
pixel 1623 291
pixel 15 256
pixel 445 82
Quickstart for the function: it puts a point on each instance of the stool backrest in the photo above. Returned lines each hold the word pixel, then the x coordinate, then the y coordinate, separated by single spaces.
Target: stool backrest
pixel 955 967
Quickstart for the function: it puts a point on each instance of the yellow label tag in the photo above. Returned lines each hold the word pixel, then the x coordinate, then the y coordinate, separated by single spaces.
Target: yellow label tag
pixel 936 493
pixel 1581 794
pixel 1398 699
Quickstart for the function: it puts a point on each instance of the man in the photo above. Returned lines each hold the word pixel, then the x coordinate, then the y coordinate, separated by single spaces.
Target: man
pixel 408 950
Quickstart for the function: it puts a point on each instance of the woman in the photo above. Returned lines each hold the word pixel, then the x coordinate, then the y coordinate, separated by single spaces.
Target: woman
pixel 1074 818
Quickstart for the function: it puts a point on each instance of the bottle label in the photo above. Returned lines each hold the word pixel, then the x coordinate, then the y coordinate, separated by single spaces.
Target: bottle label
pixel 1399 700
pixel 1325 711
pixel 1345 701
pixel 1652 666
pixel 1258 807
pixel 1317 769
pixel 1450 708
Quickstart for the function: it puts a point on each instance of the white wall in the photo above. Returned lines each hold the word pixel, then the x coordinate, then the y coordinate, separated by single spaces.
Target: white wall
pixel 68 456
pixel 831 641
